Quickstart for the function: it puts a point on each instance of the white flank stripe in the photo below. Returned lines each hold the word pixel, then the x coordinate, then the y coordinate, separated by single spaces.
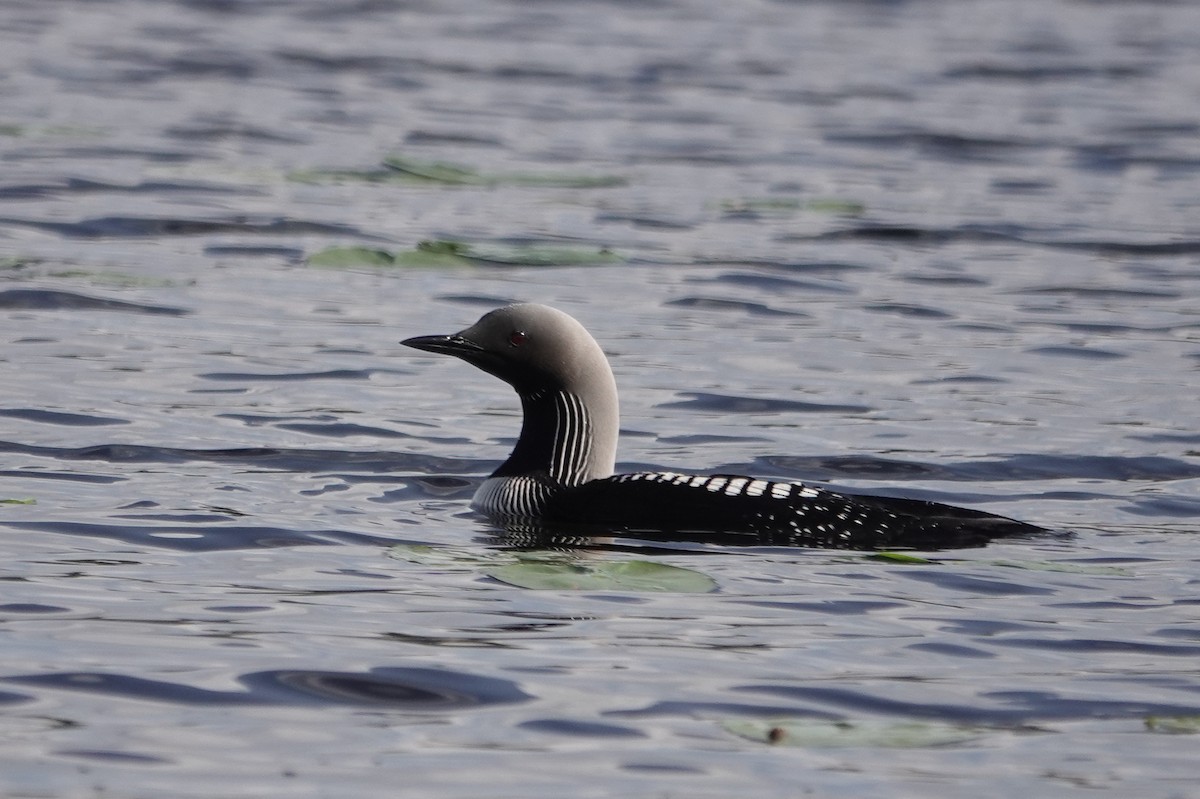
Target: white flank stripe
pixel 717 483
pixel 735 486
pixel 756 488
pixel 781 490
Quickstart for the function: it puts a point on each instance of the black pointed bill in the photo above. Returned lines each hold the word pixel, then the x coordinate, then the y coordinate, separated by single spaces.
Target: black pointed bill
pixel 445 345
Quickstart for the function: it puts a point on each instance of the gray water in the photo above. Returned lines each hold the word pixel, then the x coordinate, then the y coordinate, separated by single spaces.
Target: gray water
pixel 933 249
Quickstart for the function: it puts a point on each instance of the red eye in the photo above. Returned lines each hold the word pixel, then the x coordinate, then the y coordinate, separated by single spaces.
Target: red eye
pixel 517 338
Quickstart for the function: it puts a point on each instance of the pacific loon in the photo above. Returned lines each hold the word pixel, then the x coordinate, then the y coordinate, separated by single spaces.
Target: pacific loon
pixel 560 473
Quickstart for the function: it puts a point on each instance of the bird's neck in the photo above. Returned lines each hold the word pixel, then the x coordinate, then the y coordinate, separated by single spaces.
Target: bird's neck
pixel 564 438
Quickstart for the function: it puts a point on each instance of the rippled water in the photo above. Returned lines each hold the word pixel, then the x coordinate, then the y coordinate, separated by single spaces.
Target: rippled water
pixel 943 250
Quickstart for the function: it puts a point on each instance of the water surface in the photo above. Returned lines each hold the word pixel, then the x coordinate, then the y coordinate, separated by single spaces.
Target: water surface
pixel 942 250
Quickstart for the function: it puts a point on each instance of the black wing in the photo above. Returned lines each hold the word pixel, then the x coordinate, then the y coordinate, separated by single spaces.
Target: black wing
pixel 748 511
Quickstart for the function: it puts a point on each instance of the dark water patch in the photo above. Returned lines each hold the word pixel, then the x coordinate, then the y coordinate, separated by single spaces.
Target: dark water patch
pixel 178 518
pixel 1167 438
pixel 951 650
pixel 791 267
pixel 54 300
pixel 697 439
pixel 1183 507
pixel 384 688
pixel 663 768
pixel 221 130
pixel 1101 292
pixel 777 285
pixel 31 607
pixel 845 607
pixel 1085 353
pixel 925 278
pixel 1032 467
pixel 374 65
pixel 944 146
pixel 1015 707
pixel 724 403
pixel 478 301
pixel 146 66
pixel 116 758
pixel 453 138
pixel 332 374
pixel 342 430
pixel 905 234
pixel 99 154
pixel 1116 158
pixel 1108 329
pixel 963 379
pixel 909 310
pixel 288 460
pixel 230 8
pixel 967 584
pixel 8 698
pixel 983 628
pixel 581 729
pixel 122 227
pixel 670 708
pixel 412 490
pixel 69 477
pixel 294 254
pixel 1041 73
pixel 723 305
pixel 1018 186
pixel 59 418
pixel 1111 605
pixel 219 536
pixel 73 186
pixel 1186 633
pixel 645 221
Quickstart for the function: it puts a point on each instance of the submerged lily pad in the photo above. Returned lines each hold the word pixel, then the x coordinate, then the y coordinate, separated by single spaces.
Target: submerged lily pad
pixel 439 172
pixel 447 556
pixel 617 575
pixel 824 734
pixel 399 169
pixel 1068 568
pixel 786 206
pixel 447 253
pixel 556 571
pixel 18 501
pixel 18 261
pixel 1174 725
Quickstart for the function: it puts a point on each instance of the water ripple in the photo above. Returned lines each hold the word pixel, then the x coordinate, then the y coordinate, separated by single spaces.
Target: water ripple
pixel 406 689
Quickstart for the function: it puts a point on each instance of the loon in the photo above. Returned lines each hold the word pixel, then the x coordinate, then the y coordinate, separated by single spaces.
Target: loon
pixel 560 475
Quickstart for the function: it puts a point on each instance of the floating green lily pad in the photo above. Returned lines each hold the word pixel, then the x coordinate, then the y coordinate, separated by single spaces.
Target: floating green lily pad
pixel 823 734
pixel 399 169
pixel 446 253
pixel 1174 725
pixel 617 575
pixel 18 501
pixel 370 256
pixel 901 557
